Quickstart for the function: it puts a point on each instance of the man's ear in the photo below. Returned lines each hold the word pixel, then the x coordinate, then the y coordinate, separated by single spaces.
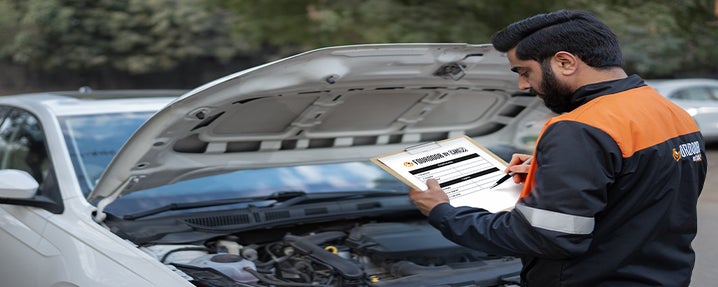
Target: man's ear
pixel 565 63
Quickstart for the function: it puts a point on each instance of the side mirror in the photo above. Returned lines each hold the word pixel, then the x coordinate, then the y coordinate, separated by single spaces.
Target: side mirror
pixel 17 184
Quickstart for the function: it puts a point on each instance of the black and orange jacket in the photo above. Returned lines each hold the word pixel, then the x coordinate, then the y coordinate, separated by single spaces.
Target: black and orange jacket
pixel 610 199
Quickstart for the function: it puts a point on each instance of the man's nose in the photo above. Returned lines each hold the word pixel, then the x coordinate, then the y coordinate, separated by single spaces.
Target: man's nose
pixel 524 84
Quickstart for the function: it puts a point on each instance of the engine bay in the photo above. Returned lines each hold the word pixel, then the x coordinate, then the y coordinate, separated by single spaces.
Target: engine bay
pixel 359 254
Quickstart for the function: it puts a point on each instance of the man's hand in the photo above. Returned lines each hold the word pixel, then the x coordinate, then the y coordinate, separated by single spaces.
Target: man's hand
pixel 517 166
pixel 426 200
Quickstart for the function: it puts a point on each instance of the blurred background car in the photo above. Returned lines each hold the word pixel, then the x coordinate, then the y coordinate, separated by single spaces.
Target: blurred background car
pixel 259 178
pixel 697 96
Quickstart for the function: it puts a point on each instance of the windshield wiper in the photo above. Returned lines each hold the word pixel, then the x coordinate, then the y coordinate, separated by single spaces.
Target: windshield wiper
pixel 343 195
pixel 278 196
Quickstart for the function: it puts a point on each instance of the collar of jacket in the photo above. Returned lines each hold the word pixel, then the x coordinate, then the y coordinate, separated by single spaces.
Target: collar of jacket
pixel 589 92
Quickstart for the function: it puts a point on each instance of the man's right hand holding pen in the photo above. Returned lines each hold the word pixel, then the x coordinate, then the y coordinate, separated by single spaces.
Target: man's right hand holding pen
pixel 519 166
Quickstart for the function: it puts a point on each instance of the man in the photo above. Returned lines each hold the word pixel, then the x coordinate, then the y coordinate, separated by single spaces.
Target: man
pixel 610 195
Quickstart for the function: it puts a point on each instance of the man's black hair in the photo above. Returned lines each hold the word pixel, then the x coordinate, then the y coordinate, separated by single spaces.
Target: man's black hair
pixel 578 32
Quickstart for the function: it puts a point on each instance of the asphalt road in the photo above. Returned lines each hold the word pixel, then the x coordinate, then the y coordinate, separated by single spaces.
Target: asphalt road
pixel 705 273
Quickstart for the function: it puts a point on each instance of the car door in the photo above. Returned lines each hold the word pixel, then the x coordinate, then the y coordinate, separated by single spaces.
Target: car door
pixel 22 147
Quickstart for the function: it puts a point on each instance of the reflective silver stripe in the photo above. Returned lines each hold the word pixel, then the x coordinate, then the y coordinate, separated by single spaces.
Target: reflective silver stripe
pixel 556 221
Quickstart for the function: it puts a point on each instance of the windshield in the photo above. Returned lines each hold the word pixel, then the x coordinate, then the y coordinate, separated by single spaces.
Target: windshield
pixel 341 177
pixel 93 140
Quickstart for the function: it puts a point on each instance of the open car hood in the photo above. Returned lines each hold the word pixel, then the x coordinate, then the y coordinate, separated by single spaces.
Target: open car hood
pixel 328 105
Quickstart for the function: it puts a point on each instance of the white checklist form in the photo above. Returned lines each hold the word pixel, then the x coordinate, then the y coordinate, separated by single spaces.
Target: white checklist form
pixel 464 169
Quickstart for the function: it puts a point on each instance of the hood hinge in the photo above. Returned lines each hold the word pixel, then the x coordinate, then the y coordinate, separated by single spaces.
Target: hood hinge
pixel 100 214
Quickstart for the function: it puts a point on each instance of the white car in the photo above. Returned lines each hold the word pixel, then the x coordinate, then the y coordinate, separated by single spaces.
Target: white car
pixel 697 96
pixel 260 178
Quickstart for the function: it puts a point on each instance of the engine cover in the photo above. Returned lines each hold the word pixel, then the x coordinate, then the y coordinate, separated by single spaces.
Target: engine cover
pixel 398 241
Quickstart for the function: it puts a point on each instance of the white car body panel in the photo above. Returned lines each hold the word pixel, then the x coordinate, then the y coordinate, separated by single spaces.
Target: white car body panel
pixel 78 244
pixel 72 240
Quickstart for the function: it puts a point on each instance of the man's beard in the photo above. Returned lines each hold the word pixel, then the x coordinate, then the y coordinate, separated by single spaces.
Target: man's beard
pixel 556 95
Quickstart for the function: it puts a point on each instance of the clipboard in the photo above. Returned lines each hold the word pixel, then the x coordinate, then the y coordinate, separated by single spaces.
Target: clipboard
pixel 464 169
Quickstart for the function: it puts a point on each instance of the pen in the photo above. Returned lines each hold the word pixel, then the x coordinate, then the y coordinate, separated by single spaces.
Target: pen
pixel 509 175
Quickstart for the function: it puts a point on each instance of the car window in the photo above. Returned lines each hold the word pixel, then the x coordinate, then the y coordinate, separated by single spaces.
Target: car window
pixel 693 94
pixel 93 140
pixel 714 93
pixel 23 144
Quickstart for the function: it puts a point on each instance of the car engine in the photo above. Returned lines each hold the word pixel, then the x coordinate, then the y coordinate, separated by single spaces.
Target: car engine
pixel 369 254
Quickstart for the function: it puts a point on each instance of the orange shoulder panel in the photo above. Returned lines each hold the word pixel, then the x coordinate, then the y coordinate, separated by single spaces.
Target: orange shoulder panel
pixel 636 119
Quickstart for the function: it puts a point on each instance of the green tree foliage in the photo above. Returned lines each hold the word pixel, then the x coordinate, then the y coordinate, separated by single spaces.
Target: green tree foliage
pixel 660 38
pixel 298 25
pixel 136 36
